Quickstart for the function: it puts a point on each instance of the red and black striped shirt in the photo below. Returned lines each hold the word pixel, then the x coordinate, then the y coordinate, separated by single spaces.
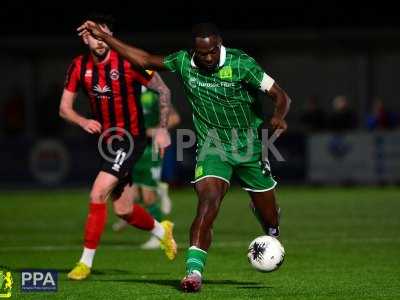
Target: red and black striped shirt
pixel 113 88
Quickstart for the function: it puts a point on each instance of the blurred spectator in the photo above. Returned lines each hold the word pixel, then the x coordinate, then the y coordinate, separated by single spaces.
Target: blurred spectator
pixel 13 113
pixel 313 118
pixel 343 117
pixel 381 117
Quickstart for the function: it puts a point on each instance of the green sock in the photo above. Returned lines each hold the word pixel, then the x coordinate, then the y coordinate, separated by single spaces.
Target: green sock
pixel 155 210
pixel 195 260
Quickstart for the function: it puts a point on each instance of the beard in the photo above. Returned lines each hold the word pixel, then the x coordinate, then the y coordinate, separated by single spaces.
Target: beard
pixel 101 55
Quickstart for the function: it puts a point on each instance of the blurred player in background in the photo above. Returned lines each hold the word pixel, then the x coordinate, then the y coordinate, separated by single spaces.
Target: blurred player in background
pixel 220 84
pixel 146 174
pixel 113 85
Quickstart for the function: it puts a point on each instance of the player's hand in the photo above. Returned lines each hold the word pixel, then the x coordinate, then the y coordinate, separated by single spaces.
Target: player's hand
pixel 91 28
pixel 161 140
pixel 91 126
pixel 278 125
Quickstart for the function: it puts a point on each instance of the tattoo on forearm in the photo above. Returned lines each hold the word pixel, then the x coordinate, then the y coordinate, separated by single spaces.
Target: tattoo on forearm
pixel 158 85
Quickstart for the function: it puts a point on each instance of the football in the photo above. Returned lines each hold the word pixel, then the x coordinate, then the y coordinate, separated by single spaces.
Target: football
pixel 265 253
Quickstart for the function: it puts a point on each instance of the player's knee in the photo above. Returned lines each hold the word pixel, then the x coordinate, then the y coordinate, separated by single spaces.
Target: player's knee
pixel 122 211
pixel 209 201
pixel 98 197
pixel 210 195
pixel 150 199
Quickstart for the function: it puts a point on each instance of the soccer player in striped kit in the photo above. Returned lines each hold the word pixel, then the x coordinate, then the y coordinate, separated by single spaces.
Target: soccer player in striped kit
pixel 113 87
pixel 220 83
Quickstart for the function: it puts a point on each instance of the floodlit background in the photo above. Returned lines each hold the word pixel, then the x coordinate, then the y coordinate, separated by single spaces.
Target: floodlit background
pixel 338 186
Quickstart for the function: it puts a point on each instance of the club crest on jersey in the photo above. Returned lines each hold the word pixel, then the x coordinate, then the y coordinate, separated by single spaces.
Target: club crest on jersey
pixel 198 172
pixel 114 74
pixel 225 72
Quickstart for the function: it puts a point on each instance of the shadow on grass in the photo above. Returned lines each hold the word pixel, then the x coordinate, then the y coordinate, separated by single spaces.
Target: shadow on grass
pixel 253 287
pixel 162 282
pixel 176 283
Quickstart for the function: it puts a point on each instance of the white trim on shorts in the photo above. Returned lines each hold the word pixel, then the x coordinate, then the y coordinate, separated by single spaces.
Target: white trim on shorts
pixel 215 176
pixel 260 191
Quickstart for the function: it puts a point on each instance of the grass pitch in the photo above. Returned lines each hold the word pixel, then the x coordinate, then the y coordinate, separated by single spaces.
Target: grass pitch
pixel 340 244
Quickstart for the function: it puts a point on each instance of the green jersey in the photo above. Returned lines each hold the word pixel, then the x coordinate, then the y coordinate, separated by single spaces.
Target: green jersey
pixel 151 110
pixel 222 100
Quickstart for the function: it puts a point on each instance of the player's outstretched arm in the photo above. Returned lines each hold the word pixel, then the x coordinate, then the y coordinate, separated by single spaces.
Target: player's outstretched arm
pixel 282 105
pixel 68 113
pixel 134 55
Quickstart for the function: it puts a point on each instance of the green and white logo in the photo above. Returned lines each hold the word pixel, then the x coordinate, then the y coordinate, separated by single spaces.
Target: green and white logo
pixel 192 82
pixel 225 72
pixel 198 172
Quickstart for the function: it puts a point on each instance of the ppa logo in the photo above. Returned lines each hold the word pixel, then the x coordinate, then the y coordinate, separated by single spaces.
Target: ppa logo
pixel 39 280
pixel 6 282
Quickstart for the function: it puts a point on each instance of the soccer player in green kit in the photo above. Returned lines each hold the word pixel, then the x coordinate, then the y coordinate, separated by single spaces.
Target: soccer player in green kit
pixel 219 82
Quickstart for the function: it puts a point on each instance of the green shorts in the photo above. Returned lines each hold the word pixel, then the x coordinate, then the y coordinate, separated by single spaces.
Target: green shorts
pixel 147 171
pixel 253 173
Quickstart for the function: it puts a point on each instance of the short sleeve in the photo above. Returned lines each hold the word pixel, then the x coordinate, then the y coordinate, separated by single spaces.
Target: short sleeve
pixel 143 76
pixel 174 61
pixel 253 74
pixel 73 77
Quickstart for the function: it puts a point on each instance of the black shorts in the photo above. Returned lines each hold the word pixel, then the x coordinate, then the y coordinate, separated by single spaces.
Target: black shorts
pixel 119 157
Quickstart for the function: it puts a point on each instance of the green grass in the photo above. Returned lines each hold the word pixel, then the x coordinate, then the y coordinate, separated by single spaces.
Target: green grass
pixel 340 244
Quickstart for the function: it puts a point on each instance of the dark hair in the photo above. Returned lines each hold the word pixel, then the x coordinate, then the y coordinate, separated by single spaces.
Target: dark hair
pixel 203 30
pixel 102 19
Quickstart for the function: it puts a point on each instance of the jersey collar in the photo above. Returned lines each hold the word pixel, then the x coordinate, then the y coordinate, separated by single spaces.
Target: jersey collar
pixel 222 58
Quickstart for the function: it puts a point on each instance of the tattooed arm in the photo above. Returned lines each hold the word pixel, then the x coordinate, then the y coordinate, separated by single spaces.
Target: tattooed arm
pixel 161 139
pixel 158 85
